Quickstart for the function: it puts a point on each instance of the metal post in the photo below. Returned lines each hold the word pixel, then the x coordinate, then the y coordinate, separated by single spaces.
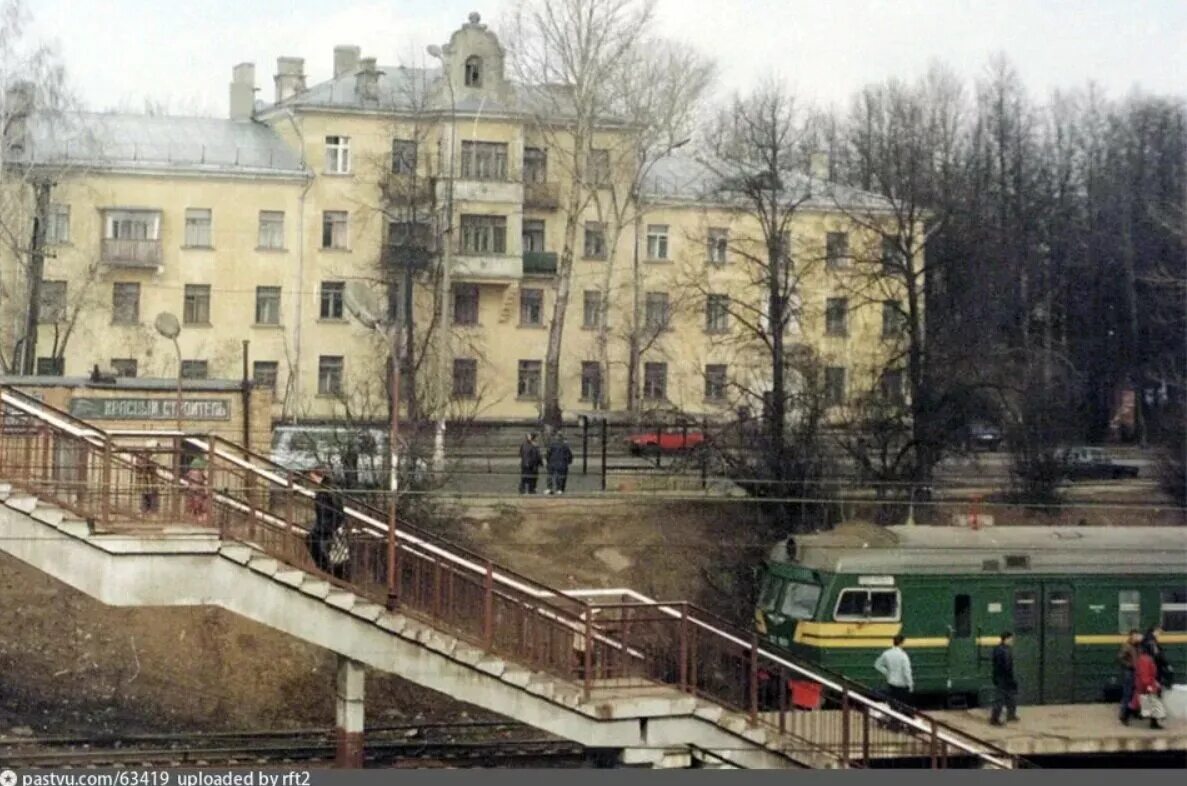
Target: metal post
pixel 604 430
pixel 584 444
pixel 659 438
pixel 177 346
pixel 683 647
pixel 932 751
pixel 105 511
pixel 488 606
pixel 704 455
pixel 587 655
pixel 753 677
pixel 393 590
pixel 845 727
pixel 865 735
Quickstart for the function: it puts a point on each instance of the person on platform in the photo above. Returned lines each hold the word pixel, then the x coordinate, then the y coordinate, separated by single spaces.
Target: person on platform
pixel 1152 643
pixel 560 456
pixel 326 539
pixel 529 465
pixel 1004 682
pixel 1127 658
pixel 1147 690
pixel 197 496
pixel 895 667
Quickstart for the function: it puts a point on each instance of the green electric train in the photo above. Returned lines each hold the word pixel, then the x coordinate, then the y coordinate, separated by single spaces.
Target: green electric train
pixel 1069 595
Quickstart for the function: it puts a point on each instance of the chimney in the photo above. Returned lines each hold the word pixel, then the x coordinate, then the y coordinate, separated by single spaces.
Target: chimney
pixel 367 80
pixel 290 77
pixel 243 91
pixel 346 59
pixel 818 166
pixel 18 106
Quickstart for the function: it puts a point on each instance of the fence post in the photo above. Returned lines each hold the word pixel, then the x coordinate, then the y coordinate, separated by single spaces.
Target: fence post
pixel 177 487
pixel 105 510
pixel 584 444
pixel 704 450
pixel 865 735
pixel 659 438
pixel 488 606
pixel 587 655
pixel 753 677
pixel 683 647
pixel 933 750
pixel 604 430
pixel 845 727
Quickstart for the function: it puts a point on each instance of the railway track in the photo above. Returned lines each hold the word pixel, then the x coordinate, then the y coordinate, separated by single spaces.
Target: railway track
pixel 419 746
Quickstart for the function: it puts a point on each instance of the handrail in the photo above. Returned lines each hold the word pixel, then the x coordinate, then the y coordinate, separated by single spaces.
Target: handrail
pixel 531 597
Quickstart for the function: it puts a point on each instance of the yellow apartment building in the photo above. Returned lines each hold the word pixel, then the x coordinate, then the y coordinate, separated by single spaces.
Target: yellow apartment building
pixel 254 228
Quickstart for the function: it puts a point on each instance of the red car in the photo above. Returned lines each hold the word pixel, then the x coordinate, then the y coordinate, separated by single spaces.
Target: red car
pixel 665 442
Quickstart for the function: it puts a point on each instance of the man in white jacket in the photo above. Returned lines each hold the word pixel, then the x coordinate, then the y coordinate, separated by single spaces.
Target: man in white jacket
pixel 895 667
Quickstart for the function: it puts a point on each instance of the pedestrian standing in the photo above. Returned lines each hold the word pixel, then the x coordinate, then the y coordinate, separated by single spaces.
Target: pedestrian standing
pixel 326 539
pixel 559 458
pixel 895 667
pixel 566 461
pixel 529 465
pixel 1004 681
pixel 1152 644
pixel 1147 690
pixel 1127 658
pixel 197 496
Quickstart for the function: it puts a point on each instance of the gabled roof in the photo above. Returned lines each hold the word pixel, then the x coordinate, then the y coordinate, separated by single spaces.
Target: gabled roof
pixel 156 143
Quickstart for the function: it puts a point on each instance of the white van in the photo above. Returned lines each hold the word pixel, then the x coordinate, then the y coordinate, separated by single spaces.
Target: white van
pixel 355 456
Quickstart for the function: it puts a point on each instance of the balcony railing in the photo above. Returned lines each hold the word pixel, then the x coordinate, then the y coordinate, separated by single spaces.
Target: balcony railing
pixel 401 189
pixel 542 196
pixel 132 253
pixel 539 263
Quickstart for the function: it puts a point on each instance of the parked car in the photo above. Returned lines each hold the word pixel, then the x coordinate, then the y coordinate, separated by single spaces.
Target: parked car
pixel 1088 463
pixel 667 441
pixel 980 435
pixel 356 457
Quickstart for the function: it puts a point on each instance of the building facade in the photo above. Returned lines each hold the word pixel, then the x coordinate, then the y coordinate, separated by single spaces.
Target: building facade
pixel 436 190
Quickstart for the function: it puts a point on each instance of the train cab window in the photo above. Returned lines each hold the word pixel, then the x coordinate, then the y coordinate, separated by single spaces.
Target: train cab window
pixel 1174 610
pixel 962 617
pixel 1059 611
pixel 1025 614
pixel 1129 610
pixel 799 601
pixel 768 596
pixel 863 604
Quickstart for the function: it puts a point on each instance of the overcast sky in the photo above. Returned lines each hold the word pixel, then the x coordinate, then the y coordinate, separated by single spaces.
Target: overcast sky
pixel 120 52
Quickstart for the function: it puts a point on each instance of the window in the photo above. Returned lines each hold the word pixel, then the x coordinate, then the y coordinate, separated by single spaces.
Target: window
pixel 529 379
pixel 535 165
pixel 333 229
pixel 655 381
pixel 892 319
pixel 1025 613
pixel 599 167
pixel 1174 610
pixel 891 384
pixel 591 309
pixel 1059 611
pixel 131 224
pixel 591 381
pixel 715 381
pixel 332 293
pixel 834 386
pixel 533 235
pixel 473 75
pixel 197 228
pixel 768 596
pixel 799 601
pixel 1129 610
pixel 271 229
pixel 196 309
pixel 867 604
pixel 465 304
pixel 264 373
pixel 329 375
pixel 484 234
pixel 717 313
pixel 656 310
pixel 404 156
pixel 124 367
pixel 836 249
pixel 125 303
pixel 531 306
pixel 836 316
pixel 267 305
pixel 484 160
pixel 962 616
pixel 195 369
pixel 465 377
pixel 719 242
pixel 595 240
pixel 892 257
pixel 657 241
pixel 50 367
pixel 337 155
pixel 52 305
pixel 57 225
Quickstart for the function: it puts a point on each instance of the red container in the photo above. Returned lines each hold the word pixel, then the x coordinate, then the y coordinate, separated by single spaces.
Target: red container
pixel 805 695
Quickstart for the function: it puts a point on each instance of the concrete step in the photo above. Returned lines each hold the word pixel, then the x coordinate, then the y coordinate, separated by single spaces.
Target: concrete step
pixel 237 552
pixel 5 491
pixel 76 528
pixel 368 611
pixel 316 587
pixel 48 514
pixel 264 565
pixel 25 503
pixel 290 576
pixel 341 599
pixel 396 623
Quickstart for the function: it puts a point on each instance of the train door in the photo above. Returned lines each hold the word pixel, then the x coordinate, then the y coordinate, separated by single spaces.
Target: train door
pixel 1058 644
pixel 1028 642
pixel 962 646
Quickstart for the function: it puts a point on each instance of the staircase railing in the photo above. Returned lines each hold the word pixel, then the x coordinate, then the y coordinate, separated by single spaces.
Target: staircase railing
pixel 606 642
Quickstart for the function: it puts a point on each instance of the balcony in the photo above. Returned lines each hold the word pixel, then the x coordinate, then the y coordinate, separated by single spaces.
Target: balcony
pixel 539 263
pixel 407 190
pixel 487 267
pixel 122 252
pixel 499 191
pixel 541 196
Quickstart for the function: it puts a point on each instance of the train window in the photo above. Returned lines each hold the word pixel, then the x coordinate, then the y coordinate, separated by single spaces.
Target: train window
pixel 1024 611
pixel 1129 610
pixel 1059 611
pixel 962 617
pixel 768 597
pixel 799 601
pixel 862 604
pixel 1174 610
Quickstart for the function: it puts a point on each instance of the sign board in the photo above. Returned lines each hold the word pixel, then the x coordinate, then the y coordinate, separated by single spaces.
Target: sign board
pixel 149 409
pixel 876 581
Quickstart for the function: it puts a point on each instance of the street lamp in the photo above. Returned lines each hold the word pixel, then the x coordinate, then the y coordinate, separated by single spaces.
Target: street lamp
pixel 435 52
pixel 168 326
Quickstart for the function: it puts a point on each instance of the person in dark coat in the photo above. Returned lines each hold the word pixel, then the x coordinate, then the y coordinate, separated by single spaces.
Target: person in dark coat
pixel 529 465
pixel 1004 682
pixel 1151 645
pixel 328 519
pixel 1127 658
pixel 559 459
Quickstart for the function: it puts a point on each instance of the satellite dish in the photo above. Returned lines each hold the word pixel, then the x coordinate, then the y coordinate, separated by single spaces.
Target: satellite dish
pixel 362 301
pixel 167 325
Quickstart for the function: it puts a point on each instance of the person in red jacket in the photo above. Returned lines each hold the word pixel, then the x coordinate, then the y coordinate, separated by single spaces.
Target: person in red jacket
pixel 1145 683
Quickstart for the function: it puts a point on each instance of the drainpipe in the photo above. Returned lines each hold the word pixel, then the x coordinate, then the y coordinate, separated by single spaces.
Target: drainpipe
pixel 295 369
pixel 245 391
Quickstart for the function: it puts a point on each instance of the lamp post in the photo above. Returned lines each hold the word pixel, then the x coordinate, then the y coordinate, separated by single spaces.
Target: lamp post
pixel 434 51
pixel 168 326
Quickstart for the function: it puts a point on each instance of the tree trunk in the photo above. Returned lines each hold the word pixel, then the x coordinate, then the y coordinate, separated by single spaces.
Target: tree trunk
pixel 36 271
pixel 564 277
